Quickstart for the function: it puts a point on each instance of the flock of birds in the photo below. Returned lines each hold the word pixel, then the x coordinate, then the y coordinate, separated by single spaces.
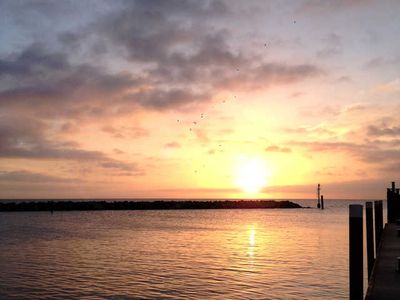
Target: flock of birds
pixel 194 124
pixel 202 115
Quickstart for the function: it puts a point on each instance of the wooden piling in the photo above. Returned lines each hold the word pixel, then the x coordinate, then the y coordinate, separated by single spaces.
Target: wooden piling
pixel 378 210
pixel 322 201
pixel 356 251
pixel 396 205
pixel 370 237
pixel 392 204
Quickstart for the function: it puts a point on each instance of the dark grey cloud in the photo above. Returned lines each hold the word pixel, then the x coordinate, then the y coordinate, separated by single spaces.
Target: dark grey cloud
pixel 270 73
pixel 152 30
pixel 179 50
pixel 160 99
pixel 211 57
pixel 32 61
pixel 47 82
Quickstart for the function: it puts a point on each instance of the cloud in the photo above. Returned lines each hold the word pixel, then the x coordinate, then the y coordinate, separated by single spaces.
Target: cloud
pixel 311 130
pixel 160 99
pixel 376 153
pixel 172 145
pixel 391 167
pixel 129 168
pixel 152 31
pixel 47 82
pixel 173 58
pixel 320 7
pixel 344 79
pixel 26 138
pixel 355 107
pixel 379 62
pixel 274 148
pixel 32 177
pixel 383 131
pixel 123 132
pixel 328 52
pixel 328 146
pixel 378 156
pixel 268 74
pixel 392 86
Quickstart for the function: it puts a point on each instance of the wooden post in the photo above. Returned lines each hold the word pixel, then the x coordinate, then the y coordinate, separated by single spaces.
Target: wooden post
pixel 396 205
pixel 370 237
pixel 378 223
pixel 392 204
pixel 356 251
pixel 389 206
pixel 322 201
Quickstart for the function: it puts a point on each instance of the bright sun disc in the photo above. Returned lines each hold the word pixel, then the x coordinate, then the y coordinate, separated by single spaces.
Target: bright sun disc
pixel 251 175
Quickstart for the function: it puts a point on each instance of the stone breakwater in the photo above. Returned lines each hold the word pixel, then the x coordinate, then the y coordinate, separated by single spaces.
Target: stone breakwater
pixel 143 205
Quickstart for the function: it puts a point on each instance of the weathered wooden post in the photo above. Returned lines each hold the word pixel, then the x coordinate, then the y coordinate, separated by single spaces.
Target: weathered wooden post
pixel 396 205
pixel 370 237
pixel 356 251
pixel 378 205
pixel 391 210
pixel 322 201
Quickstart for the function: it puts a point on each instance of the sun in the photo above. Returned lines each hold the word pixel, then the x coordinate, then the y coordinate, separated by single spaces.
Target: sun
pixel 251 175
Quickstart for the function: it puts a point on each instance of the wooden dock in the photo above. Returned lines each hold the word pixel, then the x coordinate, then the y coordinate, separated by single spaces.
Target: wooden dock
pixel 384 268
pixel 385 280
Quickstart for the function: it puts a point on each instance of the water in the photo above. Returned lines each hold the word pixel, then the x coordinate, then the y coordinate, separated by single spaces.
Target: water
pixel 196 254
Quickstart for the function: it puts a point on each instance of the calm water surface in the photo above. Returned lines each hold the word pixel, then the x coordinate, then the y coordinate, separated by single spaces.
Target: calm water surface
pixel 194 254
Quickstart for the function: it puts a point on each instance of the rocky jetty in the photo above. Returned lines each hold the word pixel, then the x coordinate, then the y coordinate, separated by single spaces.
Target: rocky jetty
pixel 143 205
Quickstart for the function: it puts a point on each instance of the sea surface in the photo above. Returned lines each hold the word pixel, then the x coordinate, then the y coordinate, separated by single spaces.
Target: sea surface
pixel 176 254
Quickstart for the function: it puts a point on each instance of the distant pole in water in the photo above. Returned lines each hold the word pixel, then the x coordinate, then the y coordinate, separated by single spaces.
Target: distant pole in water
pixel 322 201
pixel 319 196
pixel 356 258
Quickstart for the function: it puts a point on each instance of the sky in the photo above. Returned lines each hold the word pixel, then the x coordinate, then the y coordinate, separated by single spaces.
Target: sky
pixel 199 99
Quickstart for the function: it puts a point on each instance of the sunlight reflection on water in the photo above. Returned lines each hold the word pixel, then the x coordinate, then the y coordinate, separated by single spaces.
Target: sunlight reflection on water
pixel 197 254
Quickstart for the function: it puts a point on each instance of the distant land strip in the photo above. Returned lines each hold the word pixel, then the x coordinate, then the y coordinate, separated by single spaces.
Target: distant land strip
pixel 143 205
